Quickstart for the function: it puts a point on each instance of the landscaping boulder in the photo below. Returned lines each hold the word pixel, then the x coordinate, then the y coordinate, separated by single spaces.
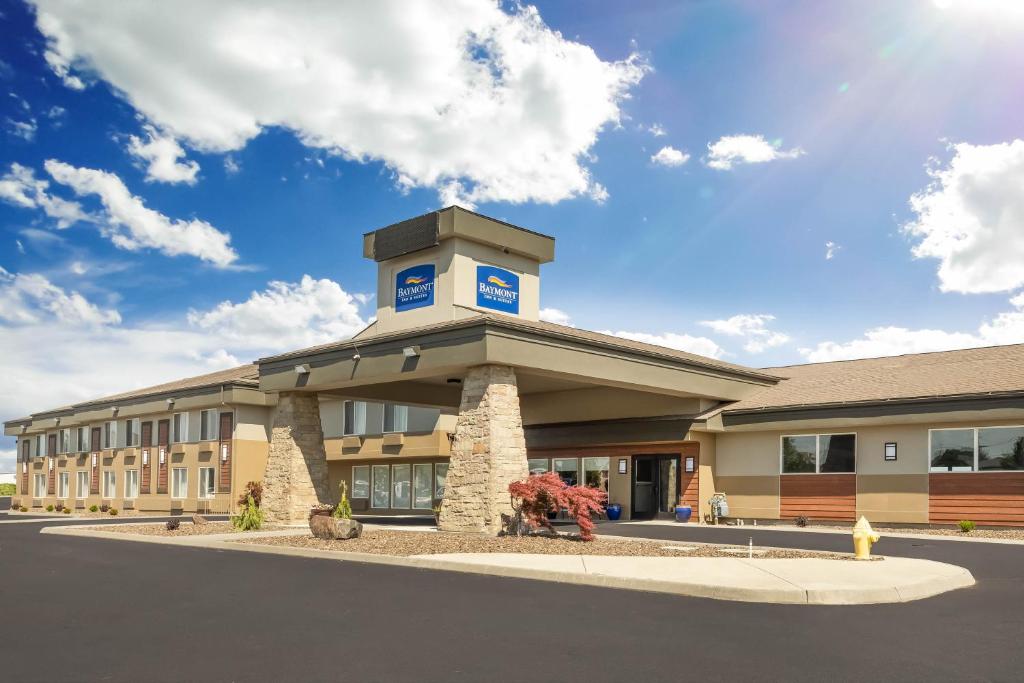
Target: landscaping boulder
pixel 332 529
pixel 199 519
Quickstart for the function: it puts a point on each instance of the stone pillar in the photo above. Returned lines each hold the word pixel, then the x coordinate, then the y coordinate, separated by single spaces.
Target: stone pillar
pixel 296 474
pixel 489 452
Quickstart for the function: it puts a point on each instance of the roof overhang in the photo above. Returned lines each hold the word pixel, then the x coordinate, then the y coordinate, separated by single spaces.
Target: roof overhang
pixel 423 366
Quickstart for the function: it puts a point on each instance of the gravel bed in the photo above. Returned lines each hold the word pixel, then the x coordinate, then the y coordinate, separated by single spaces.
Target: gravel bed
pixel 187 528
pixel 407 543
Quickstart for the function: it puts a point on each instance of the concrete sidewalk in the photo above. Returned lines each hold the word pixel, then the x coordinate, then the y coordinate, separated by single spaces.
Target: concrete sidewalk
pixel 808 581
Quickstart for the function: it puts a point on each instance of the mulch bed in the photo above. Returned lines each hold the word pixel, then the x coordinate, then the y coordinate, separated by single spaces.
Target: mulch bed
pixel 405 543
pixel 187 528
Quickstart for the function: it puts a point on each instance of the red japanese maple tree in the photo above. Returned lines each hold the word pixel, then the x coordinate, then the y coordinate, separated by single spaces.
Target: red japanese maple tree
pixel 540 494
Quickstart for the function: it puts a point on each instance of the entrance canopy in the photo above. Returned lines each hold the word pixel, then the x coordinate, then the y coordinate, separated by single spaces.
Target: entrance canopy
pixel 563 373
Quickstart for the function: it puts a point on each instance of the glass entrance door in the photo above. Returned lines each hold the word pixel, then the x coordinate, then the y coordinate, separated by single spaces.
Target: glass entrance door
pixel 655 485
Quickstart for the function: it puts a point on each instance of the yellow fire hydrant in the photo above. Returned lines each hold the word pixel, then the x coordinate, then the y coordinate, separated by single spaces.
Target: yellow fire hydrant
pixel 863 537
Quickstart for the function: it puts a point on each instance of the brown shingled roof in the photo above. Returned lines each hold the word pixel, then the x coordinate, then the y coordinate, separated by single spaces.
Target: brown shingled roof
pixel 943 374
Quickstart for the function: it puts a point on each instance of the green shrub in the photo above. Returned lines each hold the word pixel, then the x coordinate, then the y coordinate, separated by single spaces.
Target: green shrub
pixel 251 517
pixel 49 508
pixel 343 510
pixel 93 508
pixel 113 512
pixel 104 507
pixel 67 511
pixel 24 509
pixel 8 489
pixel 966 526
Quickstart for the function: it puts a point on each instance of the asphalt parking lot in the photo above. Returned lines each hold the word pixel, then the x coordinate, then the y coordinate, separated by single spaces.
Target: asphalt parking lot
pixel 91 609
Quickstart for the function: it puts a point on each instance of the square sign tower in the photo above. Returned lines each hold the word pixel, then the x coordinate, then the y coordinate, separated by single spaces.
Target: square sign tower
pixel 452 264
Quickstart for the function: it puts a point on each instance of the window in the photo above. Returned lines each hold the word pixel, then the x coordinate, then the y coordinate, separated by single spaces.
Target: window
pixel 40 446
pixel 208 425
pixel 180 431
pixel 568 470
pixel 110 434
pixel 206 482
pixel 39 481
pixel 81 484
pixel 595 473
pixel 819 453
pixel 131 484
pixel 984 449
pixel 538 465
pixel 423 486
pixel 179 482
pixel 131 432
pixel 402 486
pixel 83 439
pixel 440 476
pixel 361 481
pixel 64 441
pixel 396 418
pixel 109 483
pixel 381 486
pixel 63 481
pixel 354 418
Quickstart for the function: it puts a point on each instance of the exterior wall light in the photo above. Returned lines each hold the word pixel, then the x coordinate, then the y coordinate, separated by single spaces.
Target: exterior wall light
pixel 170 403
pixel 411 351
pixel 302 369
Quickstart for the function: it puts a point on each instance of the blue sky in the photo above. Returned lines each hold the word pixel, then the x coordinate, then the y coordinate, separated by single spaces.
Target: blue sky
pixel 769 183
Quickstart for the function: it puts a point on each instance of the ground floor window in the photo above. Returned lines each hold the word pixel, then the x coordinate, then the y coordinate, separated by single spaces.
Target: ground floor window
pixel 538 465
pixel 206 489
pixel 63 481
pixel 401 484
pixel 381 487
pixel 131 484
pixel 568 470
pixel 440 477
pixel 361 481
pixel 595 473
pixel 40 485
pixel 819 453
pixel 423 486
pixel 81 484
pixel 984 449
pixel 109 484
pixel 179 482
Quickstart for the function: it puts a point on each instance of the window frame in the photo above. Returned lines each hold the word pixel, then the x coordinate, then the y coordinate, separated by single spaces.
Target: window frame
pixel 128 476
pixel 394 407
pixel 174 484
pixel 64 441
pixel 369 483
pixel 39 485
pixel 213 484
pixel 817 453
pixel 394 483
pixel 430 474
pixel 179 427
pixel 81 492
pixel 109 493
pixel 63 484
pixel 209 432
pixel 348 428
pixel 447 468
pixel 977 450
pixel 373 481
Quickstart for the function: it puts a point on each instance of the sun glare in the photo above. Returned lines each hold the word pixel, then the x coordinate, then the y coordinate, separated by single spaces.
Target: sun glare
pixel 996 9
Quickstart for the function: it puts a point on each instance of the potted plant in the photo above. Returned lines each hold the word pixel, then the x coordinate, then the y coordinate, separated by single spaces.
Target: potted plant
pixel 683 513
pixel 614 512
pixel 337 524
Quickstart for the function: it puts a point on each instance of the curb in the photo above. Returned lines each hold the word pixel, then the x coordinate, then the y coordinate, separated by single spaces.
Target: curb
pixel 796 595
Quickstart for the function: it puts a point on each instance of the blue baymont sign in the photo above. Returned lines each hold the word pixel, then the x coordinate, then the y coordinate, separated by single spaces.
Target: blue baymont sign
pixel 497 288
pixel 414 287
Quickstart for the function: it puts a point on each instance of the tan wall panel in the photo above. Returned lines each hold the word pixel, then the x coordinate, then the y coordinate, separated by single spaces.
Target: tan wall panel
pixel 900 498
pixel 751 497
pixel 747 454
pixel 250 464
pixel 708 455
pixel 600 403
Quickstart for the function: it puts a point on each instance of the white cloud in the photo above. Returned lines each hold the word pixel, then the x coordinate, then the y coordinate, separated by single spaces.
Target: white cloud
pixel 130 225
pixel 752 327
pixel 670 156
pixel 161 153
pixel 20 187
pixel 231 165
pixel 554 315
pixel 290 315
pixel 62 349
pixel 731 150
pixel 30 299
pixel 26 130
pixel 657 130
pixel 831 249
pixel 1005 328
pixel 20 246
pixel 971 218
pixel 683 342
pixel 494 106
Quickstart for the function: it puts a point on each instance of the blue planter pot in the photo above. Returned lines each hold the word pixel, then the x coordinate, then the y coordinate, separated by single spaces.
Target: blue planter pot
pixel 614 512
pixel 683 513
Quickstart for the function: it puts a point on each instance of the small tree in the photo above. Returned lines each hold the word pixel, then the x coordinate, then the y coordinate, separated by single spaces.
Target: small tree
pixel 540 494
pixel 254 490
pixel 251 517
pixel 343 510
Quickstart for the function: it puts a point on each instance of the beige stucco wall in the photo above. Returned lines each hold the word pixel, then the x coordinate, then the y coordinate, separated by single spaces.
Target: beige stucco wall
pixel 893 498
pixel 755 497
pixel 707 466
pixel 600 403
